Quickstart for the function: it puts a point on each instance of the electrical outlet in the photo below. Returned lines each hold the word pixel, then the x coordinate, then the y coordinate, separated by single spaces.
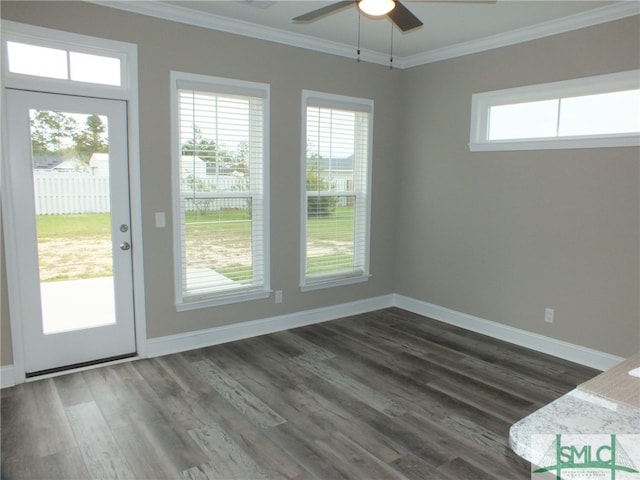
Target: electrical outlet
pixel 278 296
pixel 548 315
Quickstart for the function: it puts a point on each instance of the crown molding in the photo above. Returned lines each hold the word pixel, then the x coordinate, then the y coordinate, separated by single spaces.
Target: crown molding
pixel 525 34
pixel 229 25
pixel 179 14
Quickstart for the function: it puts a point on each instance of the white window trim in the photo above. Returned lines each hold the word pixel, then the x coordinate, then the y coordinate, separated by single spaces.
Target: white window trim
pixel 218 85
pixel 128 91
pixel 346 103
pixel 482 102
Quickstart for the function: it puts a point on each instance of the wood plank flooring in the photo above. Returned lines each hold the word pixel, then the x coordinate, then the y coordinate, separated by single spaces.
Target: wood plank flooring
pixel 384 395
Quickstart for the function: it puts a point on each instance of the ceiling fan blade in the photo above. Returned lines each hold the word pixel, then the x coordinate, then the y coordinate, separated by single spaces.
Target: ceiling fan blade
pixel 321 12
pixel 453 1
pixel 403 18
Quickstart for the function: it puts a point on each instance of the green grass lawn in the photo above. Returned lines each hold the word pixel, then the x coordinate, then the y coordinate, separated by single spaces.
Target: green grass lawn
pixel 328 238
pixel 74 226
pixel 99 224
pixel 329 241
pixel 329 263
pixel 72 247
pixel 338 226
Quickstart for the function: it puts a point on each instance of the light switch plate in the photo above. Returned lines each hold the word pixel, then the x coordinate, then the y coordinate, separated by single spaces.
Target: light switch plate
pixel 161 220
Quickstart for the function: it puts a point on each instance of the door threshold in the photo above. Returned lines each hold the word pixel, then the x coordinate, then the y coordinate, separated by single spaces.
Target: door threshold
pixel 78 367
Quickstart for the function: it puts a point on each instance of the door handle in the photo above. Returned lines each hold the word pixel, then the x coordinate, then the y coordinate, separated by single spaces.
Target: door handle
pixel 125 246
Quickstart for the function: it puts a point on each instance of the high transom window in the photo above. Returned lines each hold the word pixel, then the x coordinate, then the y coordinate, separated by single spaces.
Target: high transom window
pixel 599 111
pixel 63 64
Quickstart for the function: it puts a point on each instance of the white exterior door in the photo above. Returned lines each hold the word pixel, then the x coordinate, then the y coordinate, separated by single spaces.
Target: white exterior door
pixel 68 201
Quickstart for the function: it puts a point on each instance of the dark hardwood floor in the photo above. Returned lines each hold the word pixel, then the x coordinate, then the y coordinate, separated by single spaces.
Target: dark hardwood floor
pixel 385 395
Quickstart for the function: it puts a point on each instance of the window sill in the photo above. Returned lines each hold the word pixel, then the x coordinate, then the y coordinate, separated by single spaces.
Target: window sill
pixel 207 302
pixel 556 143
pixel 328 282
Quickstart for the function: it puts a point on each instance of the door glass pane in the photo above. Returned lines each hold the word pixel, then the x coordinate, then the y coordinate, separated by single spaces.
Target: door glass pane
pixel 70 155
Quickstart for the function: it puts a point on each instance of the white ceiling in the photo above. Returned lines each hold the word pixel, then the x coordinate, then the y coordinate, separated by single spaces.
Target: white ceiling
pixel 449 30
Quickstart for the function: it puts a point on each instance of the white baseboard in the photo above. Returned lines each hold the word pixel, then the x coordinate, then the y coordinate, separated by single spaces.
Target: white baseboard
pixel 228 333
pixel 557 348
pixel 7 378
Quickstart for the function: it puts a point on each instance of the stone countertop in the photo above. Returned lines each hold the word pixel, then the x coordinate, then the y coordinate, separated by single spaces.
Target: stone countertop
pixel 608 405
pixel 579 413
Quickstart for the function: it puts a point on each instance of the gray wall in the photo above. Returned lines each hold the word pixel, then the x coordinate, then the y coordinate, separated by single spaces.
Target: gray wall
pixel 6 350
pixel 164 46
pixel 503 235
pixel 499 236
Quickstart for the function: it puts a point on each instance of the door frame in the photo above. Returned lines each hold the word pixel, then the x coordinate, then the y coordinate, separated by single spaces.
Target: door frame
pixel 49 351
pixel 128 92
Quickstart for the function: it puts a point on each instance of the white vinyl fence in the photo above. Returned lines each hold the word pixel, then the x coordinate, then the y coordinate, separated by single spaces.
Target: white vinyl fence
pixel 59 193
pixel 70 193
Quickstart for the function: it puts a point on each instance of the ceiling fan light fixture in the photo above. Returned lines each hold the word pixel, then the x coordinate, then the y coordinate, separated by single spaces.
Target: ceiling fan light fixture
pixel 376 8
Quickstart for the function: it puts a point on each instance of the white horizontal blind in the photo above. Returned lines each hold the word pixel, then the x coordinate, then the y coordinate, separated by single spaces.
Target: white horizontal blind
pixel 336 169
pixel 221 191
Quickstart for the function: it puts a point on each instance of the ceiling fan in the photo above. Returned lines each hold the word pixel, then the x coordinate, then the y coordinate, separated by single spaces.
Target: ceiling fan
pixel 400 15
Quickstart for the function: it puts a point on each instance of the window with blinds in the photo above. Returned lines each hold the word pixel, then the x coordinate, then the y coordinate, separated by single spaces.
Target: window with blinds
pixel 336 189
pixel 220 180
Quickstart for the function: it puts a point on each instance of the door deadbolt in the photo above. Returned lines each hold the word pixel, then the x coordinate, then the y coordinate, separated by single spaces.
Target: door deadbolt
pixel 124 227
